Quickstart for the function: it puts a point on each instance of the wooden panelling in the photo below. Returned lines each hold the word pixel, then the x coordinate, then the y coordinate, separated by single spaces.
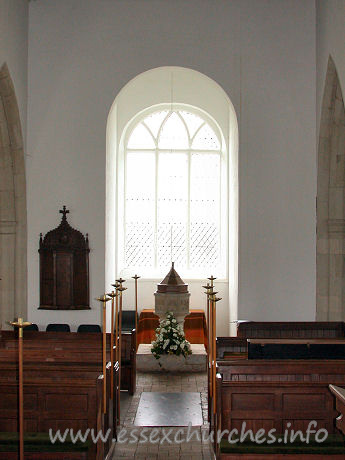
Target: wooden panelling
pixel 279 392
pixel 294 401
pixel 245 401
pixel 293 329
pixel 73 401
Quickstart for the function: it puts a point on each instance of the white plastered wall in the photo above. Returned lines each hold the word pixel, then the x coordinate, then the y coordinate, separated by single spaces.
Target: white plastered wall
pixel 262 53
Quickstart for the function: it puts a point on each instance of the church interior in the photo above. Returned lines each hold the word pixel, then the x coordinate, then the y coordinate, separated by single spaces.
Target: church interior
pixel 172 229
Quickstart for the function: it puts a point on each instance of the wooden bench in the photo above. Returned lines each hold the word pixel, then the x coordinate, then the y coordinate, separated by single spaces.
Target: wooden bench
pixel 80 347
pixel 271 393
pixel 60 405
pixel 59 392
pixel 226 348
pixel 55 340
pixel 296 348
pixel 293 329
pixel 231 348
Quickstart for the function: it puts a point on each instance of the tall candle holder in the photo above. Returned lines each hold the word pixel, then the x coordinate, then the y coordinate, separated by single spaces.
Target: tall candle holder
pixel 136 277
pixel 104 299
pixel 113 295
pixel 20 325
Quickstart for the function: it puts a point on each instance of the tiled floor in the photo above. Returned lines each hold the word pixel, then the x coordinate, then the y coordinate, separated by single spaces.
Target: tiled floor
pixel 170 443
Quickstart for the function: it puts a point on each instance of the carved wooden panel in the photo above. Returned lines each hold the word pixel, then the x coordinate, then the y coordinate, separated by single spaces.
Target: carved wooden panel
pixel 64 268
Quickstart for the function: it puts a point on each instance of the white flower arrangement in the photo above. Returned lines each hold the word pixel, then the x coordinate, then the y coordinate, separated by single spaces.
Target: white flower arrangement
pixel 170 339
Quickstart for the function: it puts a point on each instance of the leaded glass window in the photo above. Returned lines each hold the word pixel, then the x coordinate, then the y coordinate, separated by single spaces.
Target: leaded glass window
pixel 172 201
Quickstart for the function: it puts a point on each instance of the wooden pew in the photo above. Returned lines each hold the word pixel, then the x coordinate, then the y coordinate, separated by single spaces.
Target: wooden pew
pixel 271 393
pixel 263 348
pixel 296 348
pixel 128 361
pixel 57 347
pixel 66 403
pixel 226 348
pixel 293 329
pixel 49 379
pixel 339 394
pixel 231 348
pixel 57 340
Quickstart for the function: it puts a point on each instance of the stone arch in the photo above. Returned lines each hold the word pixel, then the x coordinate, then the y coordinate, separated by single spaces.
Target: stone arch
pixel 13 232
pixel 330 249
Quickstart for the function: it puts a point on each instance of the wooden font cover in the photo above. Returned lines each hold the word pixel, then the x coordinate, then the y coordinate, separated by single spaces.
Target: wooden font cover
pixel 64 268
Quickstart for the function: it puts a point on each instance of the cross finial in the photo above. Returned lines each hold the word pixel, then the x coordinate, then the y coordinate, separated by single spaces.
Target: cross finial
pixel 64 211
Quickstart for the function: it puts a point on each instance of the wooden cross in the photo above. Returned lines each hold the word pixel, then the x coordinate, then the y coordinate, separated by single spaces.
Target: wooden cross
pixel 64 211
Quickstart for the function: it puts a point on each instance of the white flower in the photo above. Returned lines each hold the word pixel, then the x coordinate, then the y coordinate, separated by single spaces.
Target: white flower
pixel 174 320
pixel 165 344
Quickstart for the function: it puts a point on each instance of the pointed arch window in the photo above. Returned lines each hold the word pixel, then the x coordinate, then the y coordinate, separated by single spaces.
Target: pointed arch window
pixel 173 194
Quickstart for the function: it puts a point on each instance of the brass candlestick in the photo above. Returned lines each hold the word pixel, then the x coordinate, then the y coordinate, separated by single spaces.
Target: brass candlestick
pixel 20 325
pixel 214 349
pixel 120 290
pixel 120 281
pixel 112 295
pixel 211 294
pixel 212 278
pixel 211 341
pixel 116 286
pixel 104 299
pixel 117 341
pixel 208 288
pixel 136 277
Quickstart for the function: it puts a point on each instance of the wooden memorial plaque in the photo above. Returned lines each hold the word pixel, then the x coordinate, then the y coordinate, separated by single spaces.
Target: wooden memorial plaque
pixel 64 268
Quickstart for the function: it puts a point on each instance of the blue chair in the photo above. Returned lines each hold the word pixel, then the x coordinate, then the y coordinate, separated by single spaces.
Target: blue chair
pixel 32 327
pixel 58 328
pixel 89 328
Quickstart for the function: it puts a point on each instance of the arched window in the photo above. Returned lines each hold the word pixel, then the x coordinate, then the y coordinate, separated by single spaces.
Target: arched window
pixel 172 186
pixel 172 195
